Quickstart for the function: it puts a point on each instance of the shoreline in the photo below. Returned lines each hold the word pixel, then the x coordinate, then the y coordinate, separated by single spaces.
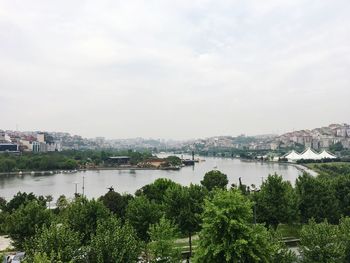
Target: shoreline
pixel 86 169
pixel 299 167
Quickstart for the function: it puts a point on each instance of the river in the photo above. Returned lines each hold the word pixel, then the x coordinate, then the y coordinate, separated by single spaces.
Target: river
pixel 128 181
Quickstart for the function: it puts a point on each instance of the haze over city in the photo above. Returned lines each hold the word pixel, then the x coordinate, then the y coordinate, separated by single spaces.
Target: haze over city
pixel 174 69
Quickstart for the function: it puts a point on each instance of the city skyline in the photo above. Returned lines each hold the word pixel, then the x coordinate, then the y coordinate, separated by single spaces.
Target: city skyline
pixel 174 70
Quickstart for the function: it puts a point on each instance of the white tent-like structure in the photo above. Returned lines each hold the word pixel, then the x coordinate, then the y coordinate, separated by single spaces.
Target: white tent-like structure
pixel 325 154
pixel 292 156
pixel 308 154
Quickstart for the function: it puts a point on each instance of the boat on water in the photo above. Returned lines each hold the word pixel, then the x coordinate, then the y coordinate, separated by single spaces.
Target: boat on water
pixel 188 162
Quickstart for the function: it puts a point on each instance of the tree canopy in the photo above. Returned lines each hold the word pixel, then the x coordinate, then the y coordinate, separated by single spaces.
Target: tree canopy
pixel 228 235
pixel 214 179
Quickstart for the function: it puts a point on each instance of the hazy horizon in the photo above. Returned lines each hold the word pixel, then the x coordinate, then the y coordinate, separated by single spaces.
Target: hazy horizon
pixel 174 69
pixel 173 139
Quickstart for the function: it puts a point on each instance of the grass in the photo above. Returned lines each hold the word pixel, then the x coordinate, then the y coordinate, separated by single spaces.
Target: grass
pixel 330 169
pixel 183 243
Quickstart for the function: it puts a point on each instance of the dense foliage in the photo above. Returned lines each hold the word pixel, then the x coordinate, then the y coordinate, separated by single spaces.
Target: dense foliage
pixel 229 236
pixel 214 179
pixel 35 162
pixel 276 202
pixel 66 160
pixel 162 246
pixel 114 243
pixel 125 228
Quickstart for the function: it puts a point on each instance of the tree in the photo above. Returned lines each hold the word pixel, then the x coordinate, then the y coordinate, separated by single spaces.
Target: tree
pixel 342 192
pixel 114 243
pixel 321 243
pixel 2 204
pixel 173 160
pixel 22 199
pixel 162 242
pixel 24 222
pixel 82 216
pixel 227 234
pixel 184 205
pixel 61 202
pixel 49 199
pixel 276 202
pixel 38 258
pixel 344 228
pixel 7 165
pixel 317 199
pixel 156 191
pixel 58 241
pixel 337 147
pixel 70 164
pixel 141 213
pixel 116 202
pixel 214 179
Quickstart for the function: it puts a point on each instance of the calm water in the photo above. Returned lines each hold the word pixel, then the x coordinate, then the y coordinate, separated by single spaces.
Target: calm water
pixel 96 182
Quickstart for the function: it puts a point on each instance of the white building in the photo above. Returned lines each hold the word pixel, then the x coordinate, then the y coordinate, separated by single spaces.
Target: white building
pixel 308 154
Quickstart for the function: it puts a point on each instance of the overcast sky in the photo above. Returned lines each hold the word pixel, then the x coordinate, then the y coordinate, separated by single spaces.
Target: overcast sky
pixel 174 69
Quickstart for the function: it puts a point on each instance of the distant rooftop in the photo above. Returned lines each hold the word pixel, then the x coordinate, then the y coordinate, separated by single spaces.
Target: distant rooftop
pixel 119 157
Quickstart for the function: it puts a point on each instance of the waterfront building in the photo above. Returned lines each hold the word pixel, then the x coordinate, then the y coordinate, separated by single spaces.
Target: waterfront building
pixel 8 147
pixel 36 147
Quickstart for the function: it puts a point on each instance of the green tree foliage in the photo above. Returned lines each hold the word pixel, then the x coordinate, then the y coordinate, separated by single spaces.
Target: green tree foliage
pixel 276 202
pixel 331 170
pixel 141 213
pixel 228 235
pixel 114 243
pixel 42 162
pixel 162 247
pixel 23 223
pixel 321 243
pixel 341 186
pixel 337 147
pixel 3 203
pixel 58 241
pixel 185 205
pixel 48 200
pixel 7 165
pixel 38 258
pixel 22 199
pixel 344 228
pixel 173 161
pixel 317 199
pixel 82 216
pixel 116 202
pixel 214 179
pixel 156 190
pixel 61 202
pixel 66 160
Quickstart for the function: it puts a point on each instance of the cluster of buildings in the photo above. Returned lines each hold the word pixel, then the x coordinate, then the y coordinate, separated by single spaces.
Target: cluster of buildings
pixel 28 142
pixel 319 138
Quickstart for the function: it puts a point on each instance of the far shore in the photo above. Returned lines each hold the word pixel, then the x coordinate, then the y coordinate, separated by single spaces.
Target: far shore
pixel 84 169
pixel 300 167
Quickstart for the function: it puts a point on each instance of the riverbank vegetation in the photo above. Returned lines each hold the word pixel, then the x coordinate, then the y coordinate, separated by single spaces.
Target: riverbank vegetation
pixel 239 224
pixel 331 169
pixel 66 160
